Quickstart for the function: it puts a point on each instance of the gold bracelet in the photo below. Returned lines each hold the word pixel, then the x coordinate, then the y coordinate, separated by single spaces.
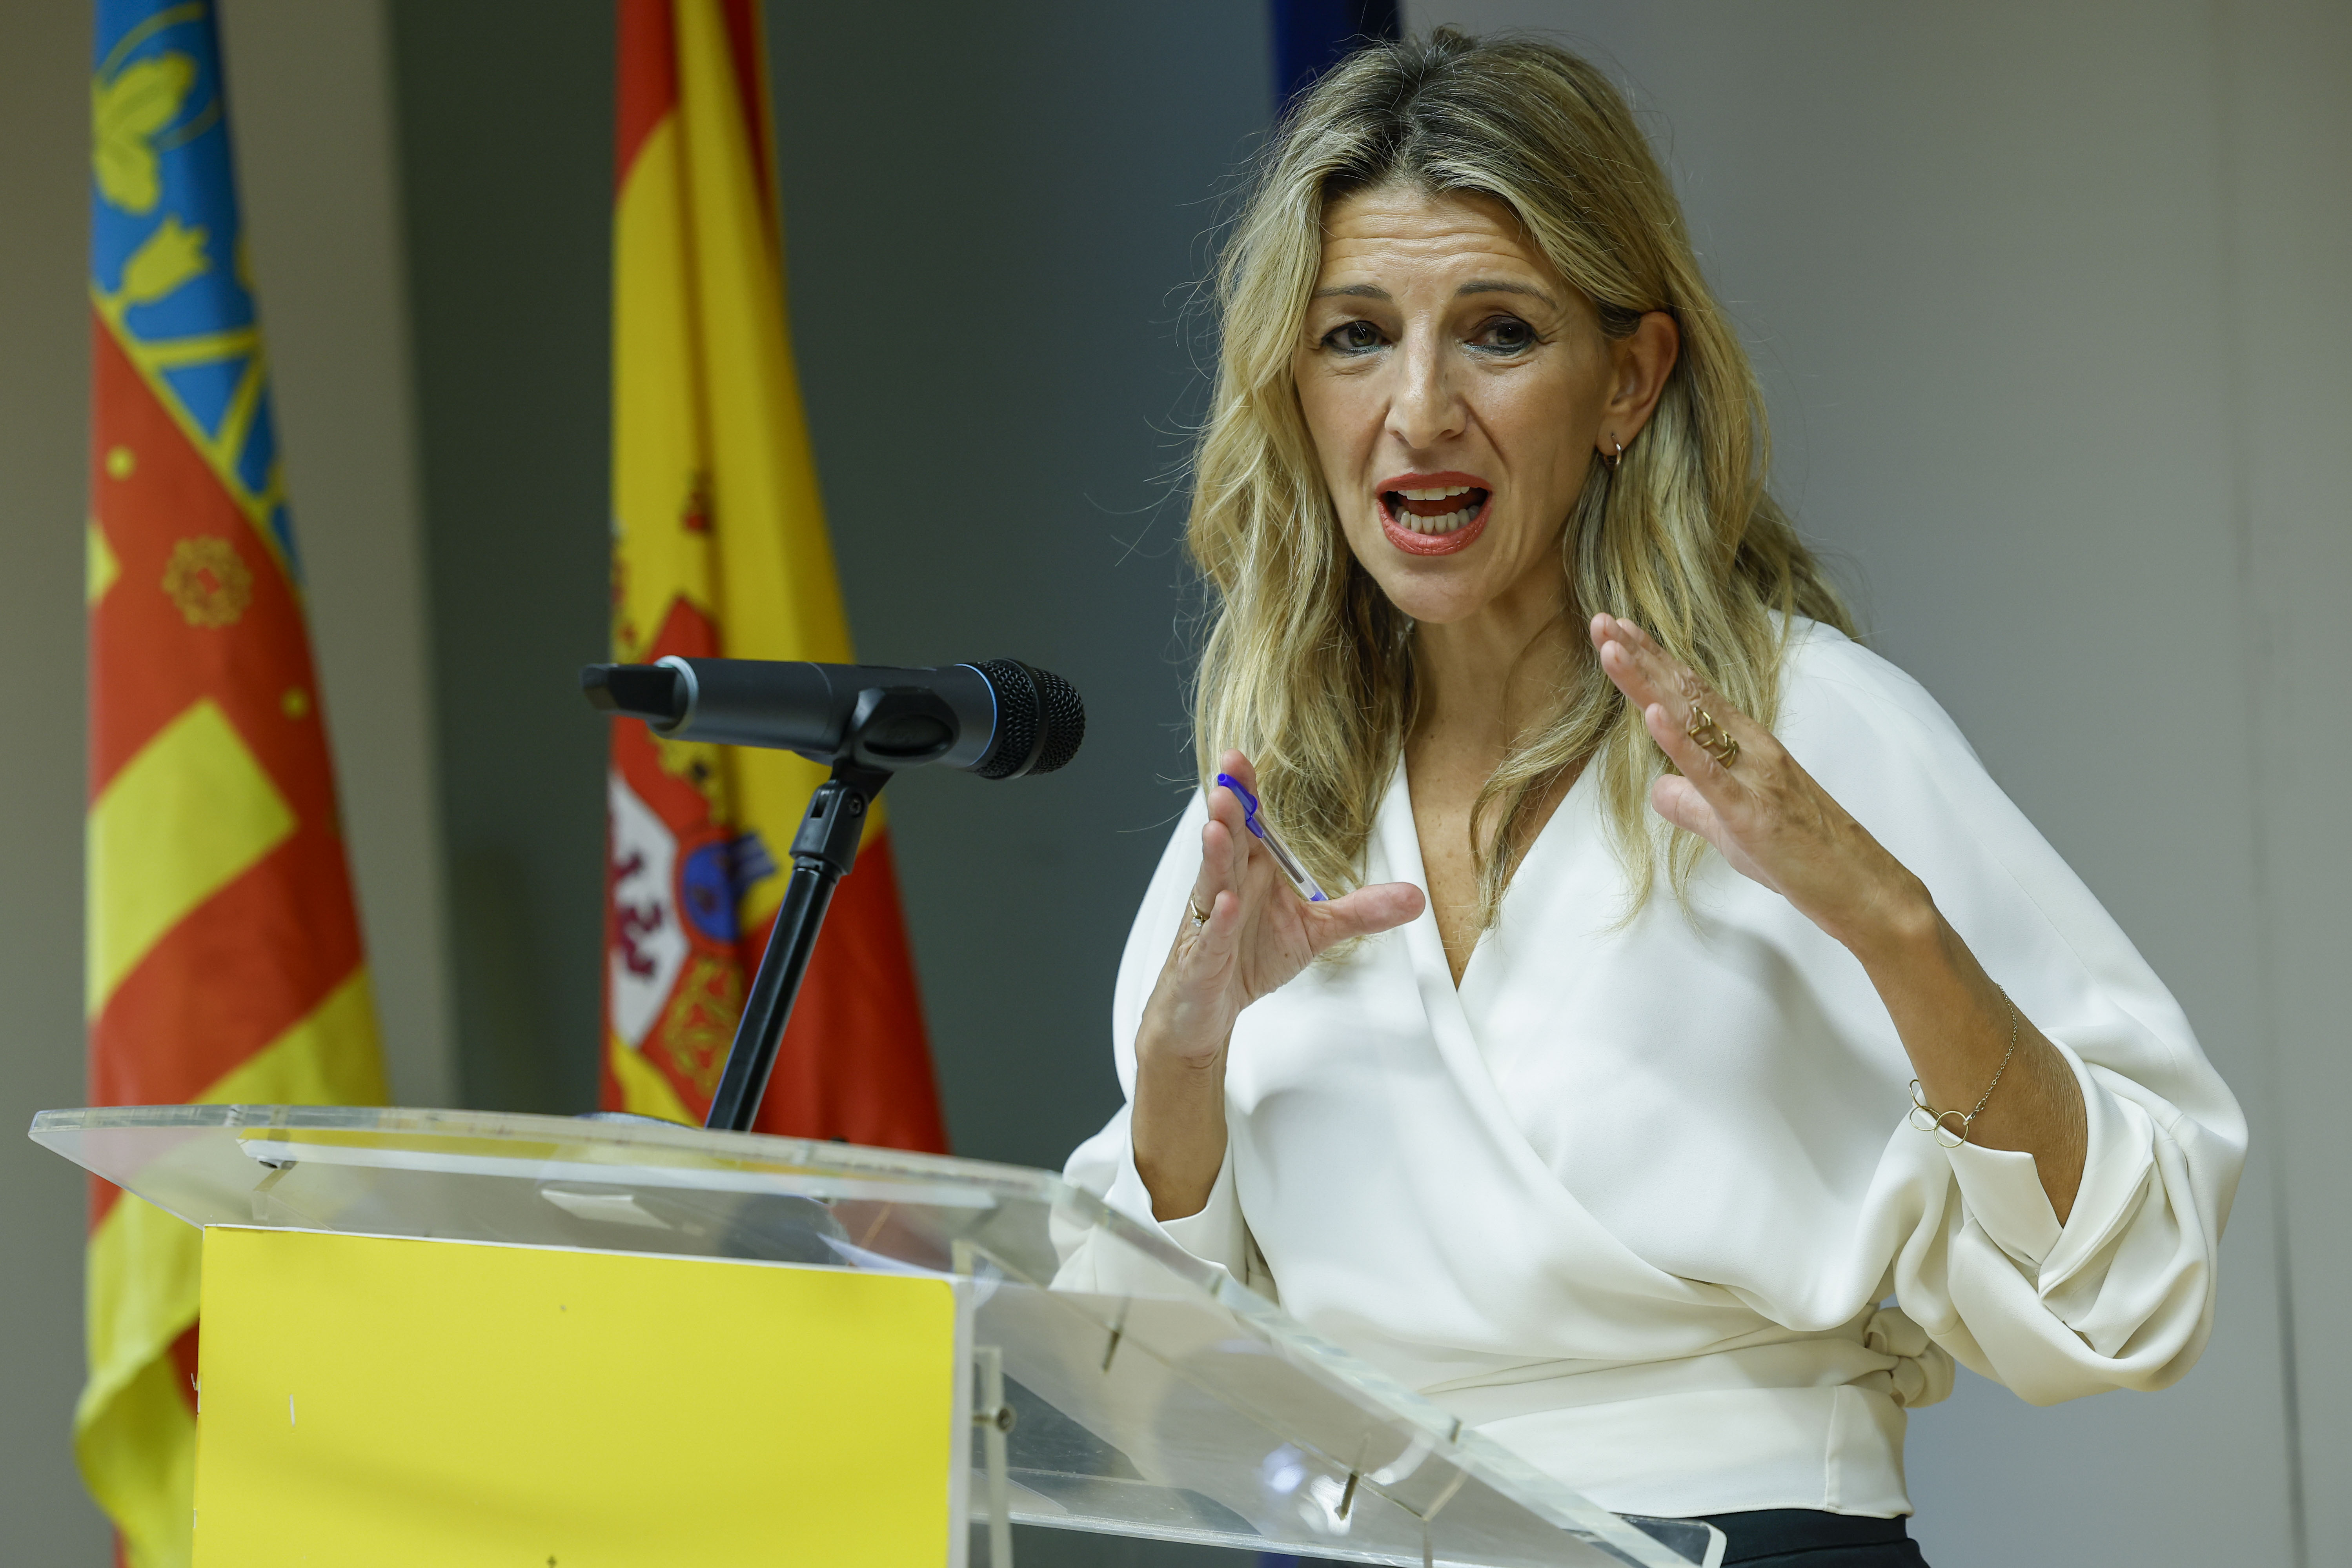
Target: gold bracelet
pixel 1927 1119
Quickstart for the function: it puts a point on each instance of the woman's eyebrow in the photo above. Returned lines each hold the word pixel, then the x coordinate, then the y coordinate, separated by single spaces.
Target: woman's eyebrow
pixel 1503 286
pixel 1476 286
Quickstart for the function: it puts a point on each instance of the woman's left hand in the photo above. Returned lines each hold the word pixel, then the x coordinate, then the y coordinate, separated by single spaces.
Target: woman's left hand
pixel 1741 791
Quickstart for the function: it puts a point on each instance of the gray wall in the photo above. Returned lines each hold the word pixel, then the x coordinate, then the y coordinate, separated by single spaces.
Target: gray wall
pixel 44 391
pixel 505 141
pixel 2050 304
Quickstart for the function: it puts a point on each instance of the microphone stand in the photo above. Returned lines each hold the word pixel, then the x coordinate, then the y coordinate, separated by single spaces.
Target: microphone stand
pixel 1037 726
pixel 823 851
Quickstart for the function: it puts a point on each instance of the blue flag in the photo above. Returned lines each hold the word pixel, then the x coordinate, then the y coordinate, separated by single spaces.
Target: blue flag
pixel 1310 36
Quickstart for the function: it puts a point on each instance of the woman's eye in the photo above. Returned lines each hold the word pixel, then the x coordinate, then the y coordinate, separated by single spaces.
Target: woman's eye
pixel 1506 333
pixel 1353 337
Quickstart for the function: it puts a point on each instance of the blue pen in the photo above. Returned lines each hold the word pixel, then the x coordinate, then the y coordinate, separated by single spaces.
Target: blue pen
pixel 1283 859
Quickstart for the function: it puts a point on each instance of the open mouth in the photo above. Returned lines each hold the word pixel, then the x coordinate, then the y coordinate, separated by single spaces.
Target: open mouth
pixel 1434 514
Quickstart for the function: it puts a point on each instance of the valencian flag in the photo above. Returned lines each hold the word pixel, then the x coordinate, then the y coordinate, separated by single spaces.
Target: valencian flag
pixel 222 952
pixel 719 549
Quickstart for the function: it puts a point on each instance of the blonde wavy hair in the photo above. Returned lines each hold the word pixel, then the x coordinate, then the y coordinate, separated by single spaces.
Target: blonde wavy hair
pixel 1307 667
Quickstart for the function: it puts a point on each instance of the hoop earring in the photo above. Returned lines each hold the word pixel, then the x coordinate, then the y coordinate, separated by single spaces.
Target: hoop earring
pixel 1615 460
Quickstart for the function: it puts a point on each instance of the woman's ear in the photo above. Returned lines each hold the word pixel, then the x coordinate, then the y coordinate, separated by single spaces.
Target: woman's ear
pixel 1640 362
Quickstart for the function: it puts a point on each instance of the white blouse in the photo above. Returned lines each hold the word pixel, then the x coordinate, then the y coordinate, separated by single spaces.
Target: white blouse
pixel 1632 1199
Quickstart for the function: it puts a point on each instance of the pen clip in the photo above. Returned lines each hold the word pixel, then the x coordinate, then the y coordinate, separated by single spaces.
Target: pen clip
pixel 1291 870
pixel 1249 805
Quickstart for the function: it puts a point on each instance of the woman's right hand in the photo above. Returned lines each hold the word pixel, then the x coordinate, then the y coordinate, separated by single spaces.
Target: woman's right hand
pixel 1258 935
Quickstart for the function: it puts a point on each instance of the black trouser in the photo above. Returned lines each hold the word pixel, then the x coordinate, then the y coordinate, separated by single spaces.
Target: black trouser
pixel 1808 1538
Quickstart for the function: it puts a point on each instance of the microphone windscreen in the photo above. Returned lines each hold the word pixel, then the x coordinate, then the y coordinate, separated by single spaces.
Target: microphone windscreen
pixel 1039 720
pixel 1065 721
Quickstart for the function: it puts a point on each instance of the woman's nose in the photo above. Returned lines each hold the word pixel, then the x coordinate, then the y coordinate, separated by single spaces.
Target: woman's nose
pixel 1427 409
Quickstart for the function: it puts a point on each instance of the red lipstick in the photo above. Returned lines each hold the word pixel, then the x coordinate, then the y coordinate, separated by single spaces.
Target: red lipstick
pixel 1396 509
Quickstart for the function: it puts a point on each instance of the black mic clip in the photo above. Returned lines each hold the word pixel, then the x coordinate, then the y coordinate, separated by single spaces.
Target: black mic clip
pixel 828 837
pixel 896 726
pixel 890 728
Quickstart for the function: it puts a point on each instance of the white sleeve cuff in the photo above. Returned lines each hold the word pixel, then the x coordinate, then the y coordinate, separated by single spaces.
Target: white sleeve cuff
pixel 2002 1190
pixel 1213 1235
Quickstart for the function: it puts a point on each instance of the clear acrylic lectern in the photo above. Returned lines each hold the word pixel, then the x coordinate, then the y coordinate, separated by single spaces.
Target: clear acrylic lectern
pixel 1182 1407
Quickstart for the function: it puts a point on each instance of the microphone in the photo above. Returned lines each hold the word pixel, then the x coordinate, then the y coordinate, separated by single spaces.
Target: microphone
pixel 1000 719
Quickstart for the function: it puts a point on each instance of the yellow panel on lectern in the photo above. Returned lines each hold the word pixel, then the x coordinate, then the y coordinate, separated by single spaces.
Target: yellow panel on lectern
pixel 376 1402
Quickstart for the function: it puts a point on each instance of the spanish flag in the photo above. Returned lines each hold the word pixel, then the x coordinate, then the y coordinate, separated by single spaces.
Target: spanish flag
pixel 719 549
pixel 223 951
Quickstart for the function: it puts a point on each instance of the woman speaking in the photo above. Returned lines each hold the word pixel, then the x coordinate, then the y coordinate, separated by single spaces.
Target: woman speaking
pixel 1688 989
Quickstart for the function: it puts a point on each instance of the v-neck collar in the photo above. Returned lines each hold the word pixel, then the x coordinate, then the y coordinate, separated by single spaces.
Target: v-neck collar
pixel 1449 1023
pixel 1401 842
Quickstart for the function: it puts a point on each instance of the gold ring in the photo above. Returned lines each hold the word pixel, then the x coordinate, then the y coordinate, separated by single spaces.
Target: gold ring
pixel 1192 907
pixel 1718 742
